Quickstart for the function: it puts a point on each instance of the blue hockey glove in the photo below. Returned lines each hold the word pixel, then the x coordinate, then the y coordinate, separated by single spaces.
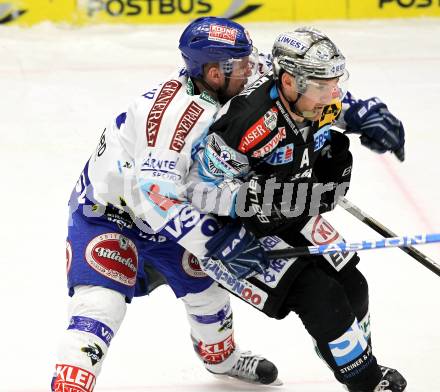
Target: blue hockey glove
pixel 239 251
pixel 380 131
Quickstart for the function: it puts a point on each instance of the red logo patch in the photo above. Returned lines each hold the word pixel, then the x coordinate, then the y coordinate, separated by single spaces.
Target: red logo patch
pixel 323 232
pixel 114 256
pixel 73 379
pixel 184 126
pixel 68 256
pixel 254 135
pixel 217 352
pixel 224 34
pixel 191 265
pixel 168 92
pixel 163 202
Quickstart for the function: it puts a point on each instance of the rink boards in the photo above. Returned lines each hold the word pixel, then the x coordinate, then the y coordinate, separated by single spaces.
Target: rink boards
pixel 79 12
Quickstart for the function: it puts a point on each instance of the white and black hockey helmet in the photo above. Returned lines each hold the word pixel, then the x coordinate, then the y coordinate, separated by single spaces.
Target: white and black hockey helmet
pixel 307 53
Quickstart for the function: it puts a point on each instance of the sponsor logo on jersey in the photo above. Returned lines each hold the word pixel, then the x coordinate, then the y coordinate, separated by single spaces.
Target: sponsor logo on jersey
pixel 249 90
pixel 190 87
pixel 254 135
pixel 224 34
pixel 163 168
pixel 206 97
pixel 227 323
pixel 218 317
pixel 321 137
pixel 164 203
pixel 270 146
pixel 270 242
pixel 68 256
pixel 270 118
pixel 243 288
pixel 95 327
pixel 113 256
pixel 277 267
pixel 94 352
pixel 216 352
pixel 323 232
pixel 275 271
pixel 73 379
pixel 102 145
pixel 152 162
pixel 185 125
pixel 304 174
pixel 350 346
pixel 287 117
pixel 152 237
pixel 281 155
pixel 191 266
pixel 320 232
pixel 330 112
pixel 157 111
pixel 187 219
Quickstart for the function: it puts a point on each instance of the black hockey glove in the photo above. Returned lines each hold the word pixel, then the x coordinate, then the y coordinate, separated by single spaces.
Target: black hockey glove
pixel 238 250
pixel 333 170
pixel 380 131
pixel 267 204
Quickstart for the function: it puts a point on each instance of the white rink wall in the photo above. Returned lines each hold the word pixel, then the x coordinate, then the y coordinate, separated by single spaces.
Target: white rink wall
pixel 60 86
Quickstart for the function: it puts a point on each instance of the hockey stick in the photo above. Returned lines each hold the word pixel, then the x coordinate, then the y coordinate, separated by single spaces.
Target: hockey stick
pixel 387 233
pixel 391 241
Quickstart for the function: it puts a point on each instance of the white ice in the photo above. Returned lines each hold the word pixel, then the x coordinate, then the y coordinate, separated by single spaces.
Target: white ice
pixel 60 86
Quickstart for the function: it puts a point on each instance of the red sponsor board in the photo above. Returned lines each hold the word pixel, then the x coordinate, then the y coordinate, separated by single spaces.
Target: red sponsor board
pixel 73 379
pixel 114 256
pixel 157 111
pixel 217 352
pixel 184 126
pixel 254 135
pixel 270 146
pixel 323 232
pixel 221 33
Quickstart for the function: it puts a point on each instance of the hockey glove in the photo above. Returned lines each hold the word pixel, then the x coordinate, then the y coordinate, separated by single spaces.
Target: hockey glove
pixel 380 131
pixel 333 168
pixel 239 251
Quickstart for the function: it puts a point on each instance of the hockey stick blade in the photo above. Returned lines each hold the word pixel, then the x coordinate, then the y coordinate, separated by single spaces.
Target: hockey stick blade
pixel 387 233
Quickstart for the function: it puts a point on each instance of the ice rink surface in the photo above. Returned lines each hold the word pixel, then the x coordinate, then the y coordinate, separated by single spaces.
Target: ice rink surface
pixel 60 86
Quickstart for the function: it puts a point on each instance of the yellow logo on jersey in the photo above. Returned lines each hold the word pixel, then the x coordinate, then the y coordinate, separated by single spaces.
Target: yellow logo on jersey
pixel 330 113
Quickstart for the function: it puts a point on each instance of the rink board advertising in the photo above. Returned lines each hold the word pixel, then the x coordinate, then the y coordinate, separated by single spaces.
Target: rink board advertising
pixel 80 12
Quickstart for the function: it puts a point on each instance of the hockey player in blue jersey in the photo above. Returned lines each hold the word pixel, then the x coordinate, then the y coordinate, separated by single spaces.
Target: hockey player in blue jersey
pixel 120 218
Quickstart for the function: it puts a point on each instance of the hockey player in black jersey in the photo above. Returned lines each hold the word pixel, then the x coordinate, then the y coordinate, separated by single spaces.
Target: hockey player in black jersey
pixel 277 165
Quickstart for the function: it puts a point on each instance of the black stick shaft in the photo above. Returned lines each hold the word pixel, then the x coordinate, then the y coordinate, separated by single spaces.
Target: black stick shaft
pixel 387 233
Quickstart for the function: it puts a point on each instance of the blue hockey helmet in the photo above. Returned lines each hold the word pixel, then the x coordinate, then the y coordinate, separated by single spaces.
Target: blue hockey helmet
pixel 213 40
